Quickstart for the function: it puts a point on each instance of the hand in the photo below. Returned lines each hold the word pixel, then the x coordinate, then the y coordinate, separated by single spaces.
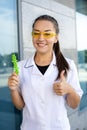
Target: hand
pixel 61 87
pixel 13 81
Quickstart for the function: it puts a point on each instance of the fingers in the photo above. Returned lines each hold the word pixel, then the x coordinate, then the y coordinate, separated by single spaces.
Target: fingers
pixel 62 76
pixel 13 81
pixel 57 87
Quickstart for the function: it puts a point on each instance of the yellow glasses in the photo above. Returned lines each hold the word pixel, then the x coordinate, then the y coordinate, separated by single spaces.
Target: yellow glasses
pixel 46 35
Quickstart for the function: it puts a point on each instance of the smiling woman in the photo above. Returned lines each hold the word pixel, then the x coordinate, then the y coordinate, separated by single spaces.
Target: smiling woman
pixel 46 80
pixel 8 44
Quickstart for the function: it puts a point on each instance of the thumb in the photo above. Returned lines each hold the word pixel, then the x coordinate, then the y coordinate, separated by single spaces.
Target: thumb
pixel 62 76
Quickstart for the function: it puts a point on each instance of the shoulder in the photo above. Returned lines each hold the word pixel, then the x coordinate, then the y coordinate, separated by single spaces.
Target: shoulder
pixel 26 62
pixel 71 63
pixel 24 65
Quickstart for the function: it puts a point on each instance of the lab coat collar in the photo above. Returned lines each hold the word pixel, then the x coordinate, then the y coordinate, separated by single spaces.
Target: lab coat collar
pixel 30 62
pixel 54 60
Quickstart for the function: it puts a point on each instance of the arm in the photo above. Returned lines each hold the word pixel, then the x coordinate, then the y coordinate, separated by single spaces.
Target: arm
pixel 73 99
pixel 74 90
pixel 13 83
pixel 63 88
pixel 17 99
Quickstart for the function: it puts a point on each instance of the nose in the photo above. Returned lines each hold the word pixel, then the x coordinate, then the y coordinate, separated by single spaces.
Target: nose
pixel 41 37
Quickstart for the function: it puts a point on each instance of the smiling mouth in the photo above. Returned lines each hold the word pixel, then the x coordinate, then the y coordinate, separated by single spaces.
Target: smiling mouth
pixel 41 44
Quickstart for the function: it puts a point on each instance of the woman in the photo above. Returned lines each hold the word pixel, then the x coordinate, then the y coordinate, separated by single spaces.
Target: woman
pixel 47 81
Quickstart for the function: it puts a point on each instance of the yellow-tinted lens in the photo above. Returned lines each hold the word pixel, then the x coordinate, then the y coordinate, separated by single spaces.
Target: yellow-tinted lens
pixel 46 35
pixel 35 34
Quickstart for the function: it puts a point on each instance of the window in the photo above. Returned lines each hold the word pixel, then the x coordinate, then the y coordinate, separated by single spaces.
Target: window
pixel 10 117
pixel 81 26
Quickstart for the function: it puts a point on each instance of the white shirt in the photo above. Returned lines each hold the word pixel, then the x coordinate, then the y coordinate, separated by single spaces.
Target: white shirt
pixel 44 109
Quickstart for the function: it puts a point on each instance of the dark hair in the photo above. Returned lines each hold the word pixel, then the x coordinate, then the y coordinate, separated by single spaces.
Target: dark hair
pixel 61 62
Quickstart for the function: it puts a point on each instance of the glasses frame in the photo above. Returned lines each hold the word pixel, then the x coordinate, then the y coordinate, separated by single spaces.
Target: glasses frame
pixel 46 35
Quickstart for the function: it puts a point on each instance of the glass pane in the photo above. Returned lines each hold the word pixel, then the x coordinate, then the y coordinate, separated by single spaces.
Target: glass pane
pixel 9 116
pixel 81 24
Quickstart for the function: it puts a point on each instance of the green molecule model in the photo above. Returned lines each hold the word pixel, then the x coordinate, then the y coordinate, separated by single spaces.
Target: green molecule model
pixel 15 64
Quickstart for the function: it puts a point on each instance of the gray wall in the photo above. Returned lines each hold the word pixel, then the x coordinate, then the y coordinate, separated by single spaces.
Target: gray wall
pixel 66 19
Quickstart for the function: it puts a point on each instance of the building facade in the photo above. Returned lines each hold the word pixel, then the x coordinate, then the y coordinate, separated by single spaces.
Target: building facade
pixel 16 18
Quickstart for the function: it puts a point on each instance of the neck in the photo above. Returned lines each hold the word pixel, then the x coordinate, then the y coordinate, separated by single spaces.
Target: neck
pixel 43 59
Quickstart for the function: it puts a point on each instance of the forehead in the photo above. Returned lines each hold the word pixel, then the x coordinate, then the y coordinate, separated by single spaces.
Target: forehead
pixel 44 25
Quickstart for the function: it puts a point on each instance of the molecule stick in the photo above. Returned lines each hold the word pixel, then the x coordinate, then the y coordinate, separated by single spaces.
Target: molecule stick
pixel 15 64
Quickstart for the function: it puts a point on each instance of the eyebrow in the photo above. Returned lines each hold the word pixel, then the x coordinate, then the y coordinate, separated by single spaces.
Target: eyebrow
pixel 44 31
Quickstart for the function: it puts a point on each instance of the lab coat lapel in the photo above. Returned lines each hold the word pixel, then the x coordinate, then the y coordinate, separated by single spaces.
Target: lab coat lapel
pixel 36 71
pixel 51 67
pixel 30 64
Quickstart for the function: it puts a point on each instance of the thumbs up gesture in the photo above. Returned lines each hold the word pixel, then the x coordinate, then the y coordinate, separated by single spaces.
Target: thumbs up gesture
pixel 60 87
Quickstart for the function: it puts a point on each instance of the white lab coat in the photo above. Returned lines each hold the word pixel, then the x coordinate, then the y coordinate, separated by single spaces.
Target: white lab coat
pixel 44 110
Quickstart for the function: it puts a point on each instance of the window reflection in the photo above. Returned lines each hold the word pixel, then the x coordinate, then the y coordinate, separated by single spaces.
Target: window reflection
pixel 81 24
pixel 8 38
pixel 9 116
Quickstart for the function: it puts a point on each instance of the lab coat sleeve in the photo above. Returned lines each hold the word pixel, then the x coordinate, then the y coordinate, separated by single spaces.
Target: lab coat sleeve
pixel 73 78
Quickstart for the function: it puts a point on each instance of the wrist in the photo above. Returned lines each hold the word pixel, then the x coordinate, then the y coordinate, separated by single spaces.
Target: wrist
pixel 15 88
pixel 70 89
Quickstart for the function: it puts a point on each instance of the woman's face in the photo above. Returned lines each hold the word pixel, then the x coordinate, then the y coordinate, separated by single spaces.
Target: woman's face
pixel 44 36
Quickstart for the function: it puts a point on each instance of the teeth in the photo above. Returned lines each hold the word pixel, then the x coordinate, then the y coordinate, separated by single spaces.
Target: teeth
pixel 40 44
